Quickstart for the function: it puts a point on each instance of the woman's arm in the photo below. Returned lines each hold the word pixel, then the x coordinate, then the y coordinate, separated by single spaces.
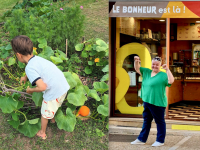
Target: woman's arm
pixel 169 74
pixel 137 64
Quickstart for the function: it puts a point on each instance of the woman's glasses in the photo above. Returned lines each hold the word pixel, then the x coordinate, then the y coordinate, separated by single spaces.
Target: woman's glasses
pixel 157 58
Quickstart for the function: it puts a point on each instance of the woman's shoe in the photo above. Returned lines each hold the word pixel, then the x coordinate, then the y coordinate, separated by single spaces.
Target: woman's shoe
pixel 137 142
pixel 157 144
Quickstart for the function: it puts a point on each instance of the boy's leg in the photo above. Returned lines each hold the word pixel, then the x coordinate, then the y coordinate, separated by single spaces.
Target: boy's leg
pixel 44 123
pixel 53 120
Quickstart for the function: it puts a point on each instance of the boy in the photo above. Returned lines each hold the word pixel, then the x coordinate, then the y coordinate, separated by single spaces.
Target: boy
pixel 48 78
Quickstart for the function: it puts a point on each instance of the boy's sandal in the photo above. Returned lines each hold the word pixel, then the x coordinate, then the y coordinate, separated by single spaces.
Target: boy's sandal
pixel 42 137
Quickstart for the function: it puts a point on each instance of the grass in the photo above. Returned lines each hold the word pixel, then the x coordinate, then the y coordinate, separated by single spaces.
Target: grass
pixel 7 5
pixel 84 136
pixel 96 12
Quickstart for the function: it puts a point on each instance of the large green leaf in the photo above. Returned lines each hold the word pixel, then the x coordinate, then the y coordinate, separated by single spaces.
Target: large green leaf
pixel 102 46
pixel 105 99
pixel 56 60
pixel 77 98
pixel 62 55
pixel 66 122
pixel 99 132
pixel 93 94
pixel 42 42
pixel 21 65
pixel 90 62
pixel 81 88
pixel 86 88
pixel 93 52
pixel 47 51
pixel 88 47
pixel 107 126
pixel 34 121
pixel 5 55
pixel 43 56
pixel 14 123
pixel 103 109
pixel 20 104
pixel 8 104
pixel 8 47
pixel 105 77
pixel 71 106
pixel 79 47
pixel 11 61
pixel 76 77
pixel 37 98
pixel 70 79
pixel 99 64
pixel 16 95
pixel 60 67
pixel 15 116
pixel 30 128
pixel 106 68
pixel 100 87
pixel 1 64
pixel 88 70
pixel 84 54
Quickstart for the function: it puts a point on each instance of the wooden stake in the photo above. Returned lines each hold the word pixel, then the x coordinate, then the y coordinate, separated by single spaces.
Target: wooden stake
pixel 83 39
pixel 66 48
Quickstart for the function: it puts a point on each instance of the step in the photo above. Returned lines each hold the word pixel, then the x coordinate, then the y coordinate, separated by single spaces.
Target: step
pixel 136 131
pixel 138 122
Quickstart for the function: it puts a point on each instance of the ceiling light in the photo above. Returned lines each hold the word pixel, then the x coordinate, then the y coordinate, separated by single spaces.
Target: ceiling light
pixel 162 20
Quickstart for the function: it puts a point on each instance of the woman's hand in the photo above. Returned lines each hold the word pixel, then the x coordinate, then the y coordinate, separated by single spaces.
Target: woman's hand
pixel 137 64
pixel 165 67
pixel 137 59
pixel 169 74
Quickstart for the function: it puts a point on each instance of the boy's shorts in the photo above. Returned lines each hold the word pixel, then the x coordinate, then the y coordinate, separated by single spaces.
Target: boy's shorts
pixel 49 108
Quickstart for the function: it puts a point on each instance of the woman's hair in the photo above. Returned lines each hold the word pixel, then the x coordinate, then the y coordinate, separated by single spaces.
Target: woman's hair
pixel 22 44
pixel 157 59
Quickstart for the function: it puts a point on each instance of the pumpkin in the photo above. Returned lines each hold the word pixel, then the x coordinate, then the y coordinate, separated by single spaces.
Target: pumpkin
pixel 84 111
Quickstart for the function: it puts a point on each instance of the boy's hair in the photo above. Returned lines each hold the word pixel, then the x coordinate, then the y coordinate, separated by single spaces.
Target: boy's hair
pixel 22 44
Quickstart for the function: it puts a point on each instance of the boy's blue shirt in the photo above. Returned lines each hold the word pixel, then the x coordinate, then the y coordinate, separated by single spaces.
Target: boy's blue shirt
pixel 40 68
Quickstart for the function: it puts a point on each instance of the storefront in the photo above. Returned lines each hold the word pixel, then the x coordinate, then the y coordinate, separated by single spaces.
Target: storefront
pixel 170 30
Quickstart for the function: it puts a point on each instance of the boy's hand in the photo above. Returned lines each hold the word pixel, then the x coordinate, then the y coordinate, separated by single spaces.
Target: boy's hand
pixel 23 79
pixel 28 90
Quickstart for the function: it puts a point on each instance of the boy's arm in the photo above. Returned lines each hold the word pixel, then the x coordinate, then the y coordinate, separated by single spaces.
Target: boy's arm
pixel 41 86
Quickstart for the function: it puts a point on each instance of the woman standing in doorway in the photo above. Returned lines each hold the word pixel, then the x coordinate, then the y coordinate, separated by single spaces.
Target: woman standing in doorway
pixel 154 99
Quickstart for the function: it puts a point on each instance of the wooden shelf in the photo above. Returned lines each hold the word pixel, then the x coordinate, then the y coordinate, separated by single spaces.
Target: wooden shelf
pixel 191 80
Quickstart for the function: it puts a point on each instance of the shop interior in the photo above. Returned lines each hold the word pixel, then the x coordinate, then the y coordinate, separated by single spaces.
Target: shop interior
pixel 184 60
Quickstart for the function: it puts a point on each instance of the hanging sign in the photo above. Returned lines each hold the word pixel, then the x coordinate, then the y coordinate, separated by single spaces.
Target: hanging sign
pixel 185 9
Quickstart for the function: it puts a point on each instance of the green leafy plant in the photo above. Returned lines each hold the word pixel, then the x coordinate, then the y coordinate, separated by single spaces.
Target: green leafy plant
pixel 77 96
pixel 40 19
pixel 94 54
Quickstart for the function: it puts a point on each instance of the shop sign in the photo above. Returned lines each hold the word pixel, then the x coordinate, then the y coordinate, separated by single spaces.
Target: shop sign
pixel 184 9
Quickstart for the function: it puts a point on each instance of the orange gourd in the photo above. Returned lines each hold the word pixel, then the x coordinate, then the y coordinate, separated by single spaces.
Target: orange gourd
pixel 84 111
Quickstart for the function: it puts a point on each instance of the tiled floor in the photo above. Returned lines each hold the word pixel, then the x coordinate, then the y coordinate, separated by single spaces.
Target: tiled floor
pixel 185 113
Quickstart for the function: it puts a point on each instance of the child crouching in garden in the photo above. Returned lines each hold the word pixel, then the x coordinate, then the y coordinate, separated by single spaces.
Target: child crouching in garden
pixel 47 78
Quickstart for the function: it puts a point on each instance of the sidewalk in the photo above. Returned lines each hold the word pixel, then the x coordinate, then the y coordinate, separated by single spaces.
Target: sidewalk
pixel 120 138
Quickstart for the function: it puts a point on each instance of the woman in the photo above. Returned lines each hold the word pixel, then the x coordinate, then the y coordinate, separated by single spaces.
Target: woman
pixel 154 99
